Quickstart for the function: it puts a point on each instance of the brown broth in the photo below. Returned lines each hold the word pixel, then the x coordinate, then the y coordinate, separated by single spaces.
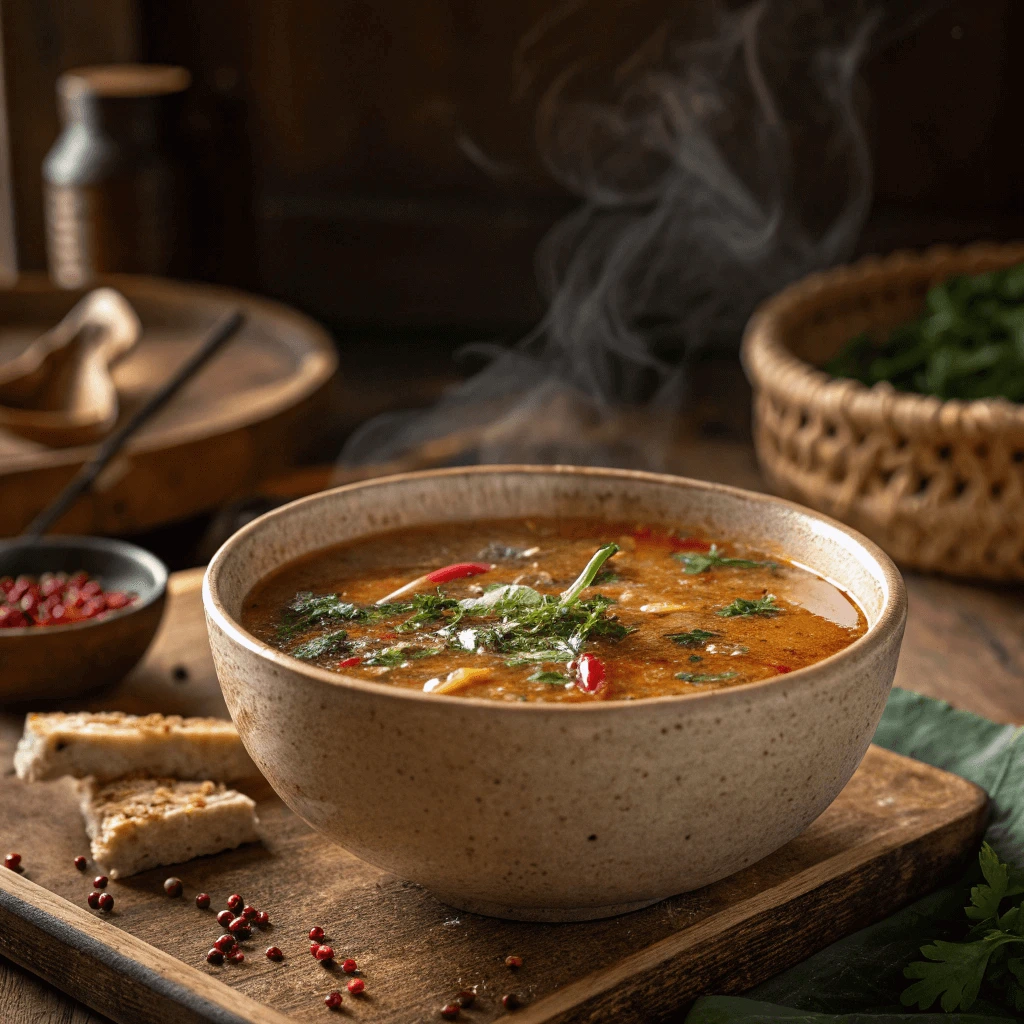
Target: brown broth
pixel 816 618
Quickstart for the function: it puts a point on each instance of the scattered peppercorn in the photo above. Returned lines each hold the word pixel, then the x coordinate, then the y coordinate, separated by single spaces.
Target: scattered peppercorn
pixel 235 902
pixel 450 1011
pixel 313 947
pixel 224 918
pixel 333 1000
pixel 80 862
pixel 94 900
pixel 173 887
pixel 513 961
pixel 263 919
pixel 510 1001
pixel 466 998
pixel 273 953
pixel 249 913
pixel 215 956
pixel 236 956
pixel 100 882
pixel 106 902
pixel 225 943
pixel 12 861
pixel 356 986
pixel 316 933
pixel 55 599
pixel 239 927
pixel 324 953
pixel 350 966
pixel 203 900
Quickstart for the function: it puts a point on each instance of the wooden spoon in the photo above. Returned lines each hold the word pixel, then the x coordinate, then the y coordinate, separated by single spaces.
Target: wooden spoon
pixel 59 391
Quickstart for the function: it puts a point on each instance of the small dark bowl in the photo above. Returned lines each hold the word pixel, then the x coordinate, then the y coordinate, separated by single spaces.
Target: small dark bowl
pixel 47 663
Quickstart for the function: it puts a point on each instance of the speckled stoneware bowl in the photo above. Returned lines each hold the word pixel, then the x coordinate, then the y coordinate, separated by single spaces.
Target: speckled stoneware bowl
pixel 555 812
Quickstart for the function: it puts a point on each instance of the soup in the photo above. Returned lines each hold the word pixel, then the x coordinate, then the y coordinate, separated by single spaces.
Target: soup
pixel 551 610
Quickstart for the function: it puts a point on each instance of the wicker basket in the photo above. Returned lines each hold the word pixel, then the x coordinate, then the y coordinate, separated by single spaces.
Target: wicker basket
pixel 939 485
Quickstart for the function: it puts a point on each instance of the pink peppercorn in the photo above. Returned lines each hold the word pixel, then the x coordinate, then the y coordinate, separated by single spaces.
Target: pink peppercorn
pixel 333 1000
pixel 275 954
pixel 324 953
pixel 356 986
pixel 203 900
pixel 349 966
pixel 316 933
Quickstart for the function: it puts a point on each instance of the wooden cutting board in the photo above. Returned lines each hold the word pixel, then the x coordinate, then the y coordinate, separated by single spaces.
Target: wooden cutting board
pixel 899 829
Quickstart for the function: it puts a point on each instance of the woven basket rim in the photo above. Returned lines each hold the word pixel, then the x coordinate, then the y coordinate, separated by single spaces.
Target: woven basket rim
pixel 770 364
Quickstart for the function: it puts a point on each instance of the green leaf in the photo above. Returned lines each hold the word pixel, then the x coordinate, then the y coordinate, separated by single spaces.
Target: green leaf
pixel 321 646
pixel 706 677
pixel 692 637
pixel 953 972
pixel 554 678
pixel 985 899
pixel 695 562
pixel 503 600
pixel 763 606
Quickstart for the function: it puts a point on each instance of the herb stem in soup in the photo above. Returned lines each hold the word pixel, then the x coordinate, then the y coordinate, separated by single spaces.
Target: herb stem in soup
pixel 551 610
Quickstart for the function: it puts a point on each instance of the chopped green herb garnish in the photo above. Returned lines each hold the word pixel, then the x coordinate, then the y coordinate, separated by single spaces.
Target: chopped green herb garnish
pixel 695 562
pixel 712 677
pixel 691 638
pixel 309 610
pixel 968 343
pixel 335 642
pixel 954 972
pixel 554 678
pixel 430 608
pixel 742 607
pixel 394 657
pixel 696 657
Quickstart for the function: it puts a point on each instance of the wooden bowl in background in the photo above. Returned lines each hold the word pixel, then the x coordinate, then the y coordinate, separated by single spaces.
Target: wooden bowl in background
pixel 938 484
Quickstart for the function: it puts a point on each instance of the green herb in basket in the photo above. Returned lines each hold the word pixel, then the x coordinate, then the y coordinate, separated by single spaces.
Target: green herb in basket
pixel 968 343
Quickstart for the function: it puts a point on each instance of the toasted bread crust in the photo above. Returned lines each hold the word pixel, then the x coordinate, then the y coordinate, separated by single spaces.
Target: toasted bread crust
pixel 135 824
pixel 111 744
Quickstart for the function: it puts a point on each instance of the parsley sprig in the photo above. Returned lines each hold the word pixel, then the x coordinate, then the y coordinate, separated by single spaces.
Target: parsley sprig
pixel 992 952
pixel 696 562
pixel 692 637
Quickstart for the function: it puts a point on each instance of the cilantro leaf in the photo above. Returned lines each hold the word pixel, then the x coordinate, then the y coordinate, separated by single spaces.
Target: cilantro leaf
pixel 985 899
pixel 953 973
pixel 695 562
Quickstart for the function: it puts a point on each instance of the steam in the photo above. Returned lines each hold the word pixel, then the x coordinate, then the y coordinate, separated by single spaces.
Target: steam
pixel 722 166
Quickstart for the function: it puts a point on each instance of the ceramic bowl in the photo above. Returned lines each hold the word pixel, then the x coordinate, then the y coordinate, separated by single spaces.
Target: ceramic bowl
pixel 41 664
pixel 555 812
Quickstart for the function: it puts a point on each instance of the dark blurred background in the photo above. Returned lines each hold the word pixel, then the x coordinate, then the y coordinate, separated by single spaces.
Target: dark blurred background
pixel 374 164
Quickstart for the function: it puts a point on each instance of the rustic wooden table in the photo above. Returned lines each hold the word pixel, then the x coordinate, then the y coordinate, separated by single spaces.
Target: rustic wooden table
pixel 964 643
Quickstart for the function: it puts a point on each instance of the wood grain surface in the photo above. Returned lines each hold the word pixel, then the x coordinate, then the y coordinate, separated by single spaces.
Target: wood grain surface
pixel 898 820
pixel 246 414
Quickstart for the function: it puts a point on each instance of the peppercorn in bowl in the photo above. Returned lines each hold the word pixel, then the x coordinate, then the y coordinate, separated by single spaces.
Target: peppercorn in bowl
pixel 76 613
pixel 563 789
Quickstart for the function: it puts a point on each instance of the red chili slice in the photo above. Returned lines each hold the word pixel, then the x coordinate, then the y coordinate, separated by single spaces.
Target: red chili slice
pixel 781 669
pixel 590 673
pixel 457 571
pixel 349 662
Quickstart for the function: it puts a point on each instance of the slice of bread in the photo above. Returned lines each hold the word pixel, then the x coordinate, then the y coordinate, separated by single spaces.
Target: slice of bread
pixel 110 745
pixel 135 824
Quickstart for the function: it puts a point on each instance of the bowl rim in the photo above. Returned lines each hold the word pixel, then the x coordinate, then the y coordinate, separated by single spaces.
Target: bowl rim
pixel 891 617
pixel 110 545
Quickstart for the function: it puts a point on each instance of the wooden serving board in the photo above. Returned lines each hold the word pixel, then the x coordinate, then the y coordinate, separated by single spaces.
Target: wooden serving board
pixel 245 415
pixel 899 829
